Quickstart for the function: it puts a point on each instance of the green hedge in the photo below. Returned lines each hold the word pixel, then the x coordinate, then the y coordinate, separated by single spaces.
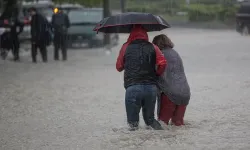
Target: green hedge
pixel 201 12
pixel 143 8
pixel 196 12
pixel 163 6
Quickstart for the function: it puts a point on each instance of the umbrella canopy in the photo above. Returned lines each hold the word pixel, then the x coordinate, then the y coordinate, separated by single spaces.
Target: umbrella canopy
pixel 123 23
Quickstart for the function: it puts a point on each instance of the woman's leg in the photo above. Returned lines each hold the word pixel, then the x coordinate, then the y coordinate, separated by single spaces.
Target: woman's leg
pixel 167 109
pixel 178 118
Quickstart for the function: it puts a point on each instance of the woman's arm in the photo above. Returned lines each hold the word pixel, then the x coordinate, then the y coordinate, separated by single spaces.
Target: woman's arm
pixel 161 62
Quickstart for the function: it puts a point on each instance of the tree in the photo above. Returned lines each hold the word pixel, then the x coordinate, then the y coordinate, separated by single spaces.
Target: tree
pixel 106 13
pixel 123 5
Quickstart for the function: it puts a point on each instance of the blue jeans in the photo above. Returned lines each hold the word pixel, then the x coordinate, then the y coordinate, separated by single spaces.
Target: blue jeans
pixel 137 97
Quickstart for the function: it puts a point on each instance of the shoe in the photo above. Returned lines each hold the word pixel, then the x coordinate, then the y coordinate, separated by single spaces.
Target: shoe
pixel 156 125
pixel 16 59
pixel 4 55
pixel 133 126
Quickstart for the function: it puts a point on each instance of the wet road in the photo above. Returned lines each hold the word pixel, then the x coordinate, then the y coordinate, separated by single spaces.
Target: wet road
pixel 79 104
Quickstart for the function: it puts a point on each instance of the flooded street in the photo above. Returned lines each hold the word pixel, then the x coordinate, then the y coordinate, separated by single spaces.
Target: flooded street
pixel 79 104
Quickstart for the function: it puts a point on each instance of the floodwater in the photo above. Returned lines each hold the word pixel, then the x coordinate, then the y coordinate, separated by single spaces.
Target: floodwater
pixel 79 104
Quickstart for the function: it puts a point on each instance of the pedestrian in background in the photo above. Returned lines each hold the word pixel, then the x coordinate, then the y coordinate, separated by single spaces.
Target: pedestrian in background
pixel 39 36
pixel 13 27
pixel 16 24
pixel 60 23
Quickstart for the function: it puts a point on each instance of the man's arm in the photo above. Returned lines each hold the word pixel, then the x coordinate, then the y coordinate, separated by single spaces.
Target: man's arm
pixel 67 21
pixel 33 28
pixel 120 58
pixel 161 62
pixel 21 26
pixel 53 20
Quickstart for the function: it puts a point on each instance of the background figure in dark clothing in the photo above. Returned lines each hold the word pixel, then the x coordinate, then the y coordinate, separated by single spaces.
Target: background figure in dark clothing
pixel 60 23
pixel 14 37
pixel 39 25
pixel 138 58
pixel 11 40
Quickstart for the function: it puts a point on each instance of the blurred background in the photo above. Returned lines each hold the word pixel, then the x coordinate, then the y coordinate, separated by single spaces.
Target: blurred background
pixel 79 103
pixel 210 14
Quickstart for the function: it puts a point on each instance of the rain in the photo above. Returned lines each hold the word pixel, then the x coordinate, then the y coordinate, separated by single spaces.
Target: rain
pixel 79 103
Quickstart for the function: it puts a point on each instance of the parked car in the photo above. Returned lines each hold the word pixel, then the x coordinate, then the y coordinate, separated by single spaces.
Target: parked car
pixel 243 18
pixel 81 31
pixel 45 9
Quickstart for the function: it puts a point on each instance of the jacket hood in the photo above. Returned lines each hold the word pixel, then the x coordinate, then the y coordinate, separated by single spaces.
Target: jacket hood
pixel 137 33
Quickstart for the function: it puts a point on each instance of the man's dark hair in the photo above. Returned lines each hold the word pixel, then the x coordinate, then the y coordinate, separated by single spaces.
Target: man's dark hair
pixel 32 9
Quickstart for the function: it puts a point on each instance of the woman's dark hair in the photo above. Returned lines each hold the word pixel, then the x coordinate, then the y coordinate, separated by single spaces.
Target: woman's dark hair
pixel 163 41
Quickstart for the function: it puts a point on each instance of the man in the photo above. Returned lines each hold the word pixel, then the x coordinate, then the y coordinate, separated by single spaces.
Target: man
pixel 39 36
pixel 139 59
pixel 60 23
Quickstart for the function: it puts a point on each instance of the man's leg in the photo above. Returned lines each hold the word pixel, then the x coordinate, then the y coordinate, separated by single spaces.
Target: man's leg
pixel 133 105
pixel 15 52
pixel 33 52
pixel 56 51
pixel 64 47
pixel 148 106
pixel 56 46
pixel 15 49
pixel 43 51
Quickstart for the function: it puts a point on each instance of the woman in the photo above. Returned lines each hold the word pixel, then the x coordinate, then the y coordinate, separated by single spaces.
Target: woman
pixel 173 85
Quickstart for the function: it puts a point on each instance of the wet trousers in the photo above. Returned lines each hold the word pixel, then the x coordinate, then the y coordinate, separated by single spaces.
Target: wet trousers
pixel 60 42
pixel 169 111
pixel 15 49
pixel 137 97
pixel 43 52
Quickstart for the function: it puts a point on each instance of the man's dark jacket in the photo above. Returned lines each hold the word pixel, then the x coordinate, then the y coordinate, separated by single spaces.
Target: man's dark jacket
pixel 141 60
pixel 60 23
pixel 39 30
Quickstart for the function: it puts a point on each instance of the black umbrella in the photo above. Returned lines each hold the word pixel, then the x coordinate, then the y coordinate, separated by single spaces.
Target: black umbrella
pixel 123 23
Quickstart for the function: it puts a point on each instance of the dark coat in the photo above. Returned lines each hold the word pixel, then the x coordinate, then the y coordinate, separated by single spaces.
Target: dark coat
pixel 15 33
pixel 39 27
pixel 10 39
pixel 60 22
